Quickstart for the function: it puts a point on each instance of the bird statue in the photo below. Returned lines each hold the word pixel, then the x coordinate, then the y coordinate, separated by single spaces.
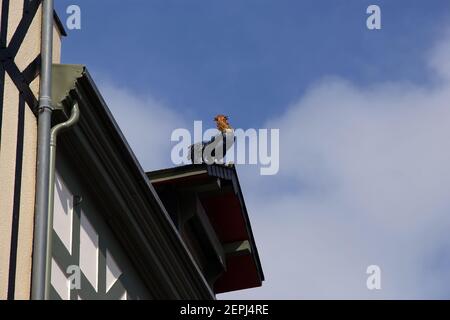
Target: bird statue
pixel 222 123
pixel 205 151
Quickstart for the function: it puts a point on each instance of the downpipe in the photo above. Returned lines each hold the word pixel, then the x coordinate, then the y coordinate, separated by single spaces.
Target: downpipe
pixel 56 130
pixel 43 155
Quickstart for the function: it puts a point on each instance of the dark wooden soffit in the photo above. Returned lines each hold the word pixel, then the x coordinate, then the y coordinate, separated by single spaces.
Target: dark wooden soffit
pixel 195 174
pixel 130 204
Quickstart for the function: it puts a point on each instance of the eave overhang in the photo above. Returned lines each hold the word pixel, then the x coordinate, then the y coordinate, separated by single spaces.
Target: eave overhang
pixel 115 178
pixel 221 196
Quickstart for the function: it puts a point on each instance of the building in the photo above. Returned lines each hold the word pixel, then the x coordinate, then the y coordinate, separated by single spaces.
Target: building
pixel 207 206
pixel 118 232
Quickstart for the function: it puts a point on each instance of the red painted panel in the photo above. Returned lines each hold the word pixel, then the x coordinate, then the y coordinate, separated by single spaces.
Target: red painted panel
pixel 241 274
pixel 224 212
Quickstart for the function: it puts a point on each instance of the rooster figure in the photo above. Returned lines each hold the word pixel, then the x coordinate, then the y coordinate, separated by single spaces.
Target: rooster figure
pixel 214 151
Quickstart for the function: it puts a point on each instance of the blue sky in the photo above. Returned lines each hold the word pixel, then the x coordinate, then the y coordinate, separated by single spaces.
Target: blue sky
pixel 364 121
pixel 249 58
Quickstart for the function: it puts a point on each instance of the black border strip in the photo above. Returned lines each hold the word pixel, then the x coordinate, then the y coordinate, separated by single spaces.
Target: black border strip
pixel 16 203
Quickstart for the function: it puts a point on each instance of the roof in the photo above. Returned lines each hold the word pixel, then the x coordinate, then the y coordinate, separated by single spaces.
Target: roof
pixel 128 201
pixel 227 211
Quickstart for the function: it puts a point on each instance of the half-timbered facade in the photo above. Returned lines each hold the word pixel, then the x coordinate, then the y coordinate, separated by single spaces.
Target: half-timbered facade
pixel 112 237
pixel 19 85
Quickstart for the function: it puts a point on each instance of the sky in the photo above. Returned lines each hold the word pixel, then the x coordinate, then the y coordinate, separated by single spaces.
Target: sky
pixel 363 115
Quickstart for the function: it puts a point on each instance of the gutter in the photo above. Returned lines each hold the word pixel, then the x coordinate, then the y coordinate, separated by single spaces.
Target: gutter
pixel 45 109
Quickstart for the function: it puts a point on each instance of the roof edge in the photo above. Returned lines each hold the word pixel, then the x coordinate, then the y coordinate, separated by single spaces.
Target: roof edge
pixel 97 144
pixel 215 170
pixel 59 24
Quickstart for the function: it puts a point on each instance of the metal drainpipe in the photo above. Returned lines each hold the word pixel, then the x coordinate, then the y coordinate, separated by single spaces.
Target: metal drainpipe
pixel 74 116
pixel 43 155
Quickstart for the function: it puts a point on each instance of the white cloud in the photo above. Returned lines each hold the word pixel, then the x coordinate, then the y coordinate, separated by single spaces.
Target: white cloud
pixel 146 123
pixel 364 179
pixel 439 57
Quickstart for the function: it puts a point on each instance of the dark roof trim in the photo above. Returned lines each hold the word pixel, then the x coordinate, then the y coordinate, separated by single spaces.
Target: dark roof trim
pixel 175 172
pixel 215 170
pixel 59 24
pixel 130 204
